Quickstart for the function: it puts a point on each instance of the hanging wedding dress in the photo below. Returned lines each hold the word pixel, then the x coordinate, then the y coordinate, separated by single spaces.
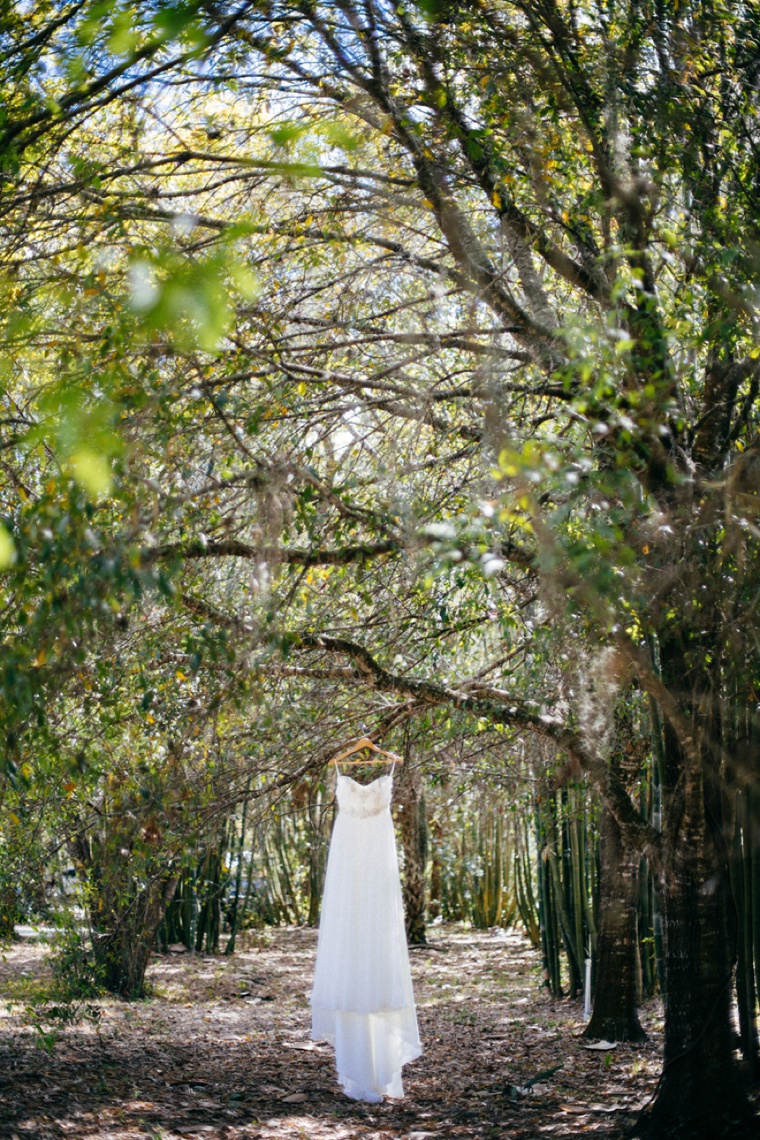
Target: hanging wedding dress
pixel 362 1000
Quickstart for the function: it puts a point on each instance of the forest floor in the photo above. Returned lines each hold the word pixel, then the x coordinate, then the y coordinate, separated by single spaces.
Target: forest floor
pixel 221 1051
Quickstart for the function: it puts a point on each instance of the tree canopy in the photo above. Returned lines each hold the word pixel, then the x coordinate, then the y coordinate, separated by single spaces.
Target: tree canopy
pixel 368 363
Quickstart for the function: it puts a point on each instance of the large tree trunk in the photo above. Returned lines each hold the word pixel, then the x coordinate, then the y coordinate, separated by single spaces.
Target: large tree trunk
pixel 617 984
pixel 699 1095
pixel 616 987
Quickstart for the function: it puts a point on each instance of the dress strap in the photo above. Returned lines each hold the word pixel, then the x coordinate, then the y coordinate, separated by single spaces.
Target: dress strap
pixel 393 767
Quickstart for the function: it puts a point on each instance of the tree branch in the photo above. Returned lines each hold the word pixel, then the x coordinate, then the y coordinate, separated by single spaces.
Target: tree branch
pixel 291 556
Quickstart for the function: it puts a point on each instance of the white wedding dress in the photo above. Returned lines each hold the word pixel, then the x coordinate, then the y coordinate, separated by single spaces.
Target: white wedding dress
pixel 362 1000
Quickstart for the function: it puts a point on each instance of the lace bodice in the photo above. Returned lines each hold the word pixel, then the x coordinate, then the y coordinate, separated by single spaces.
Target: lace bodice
pixel 364 799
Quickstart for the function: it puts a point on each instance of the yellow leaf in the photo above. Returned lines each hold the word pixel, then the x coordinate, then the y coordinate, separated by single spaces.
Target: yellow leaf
pixel 7 549
pixel 91 471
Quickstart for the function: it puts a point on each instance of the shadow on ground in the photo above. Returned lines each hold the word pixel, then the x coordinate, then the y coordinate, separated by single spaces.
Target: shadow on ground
pixel 222 1050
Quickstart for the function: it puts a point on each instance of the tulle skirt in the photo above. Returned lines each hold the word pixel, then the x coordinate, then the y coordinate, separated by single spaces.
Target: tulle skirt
pixel 362 1001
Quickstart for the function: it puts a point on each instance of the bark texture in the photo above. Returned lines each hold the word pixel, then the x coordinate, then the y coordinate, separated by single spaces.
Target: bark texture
pixel 616 987
pixel 126 907
pixel 125 942
pixel 413 820
pixel 700 1096
pixel 618 975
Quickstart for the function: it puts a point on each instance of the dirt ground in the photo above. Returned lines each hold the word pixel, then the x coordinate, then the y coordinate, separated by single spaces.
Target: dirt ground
pixel 221 1051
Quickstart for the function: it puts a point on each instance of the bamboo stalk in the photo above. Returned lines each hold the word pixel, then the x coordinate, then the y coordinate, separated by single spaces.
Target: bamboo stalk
pixel 565 924
pixel 736 865
pixel 580 899
pixel 287 878
pixel 575 951
pixel 234 919
pixel 543 906
pixel 554 938
pixel 587 858
pixel 754 844
pixel 746 926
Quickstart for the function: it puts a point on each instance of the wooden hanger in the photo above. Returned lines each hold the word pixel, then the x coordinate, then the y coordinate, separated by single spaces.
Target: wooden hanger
pixel 363 743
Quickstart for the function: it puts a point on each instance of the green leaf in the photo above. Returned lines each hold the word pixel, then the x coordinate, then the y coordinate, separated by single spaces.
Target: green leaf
pixel 286 133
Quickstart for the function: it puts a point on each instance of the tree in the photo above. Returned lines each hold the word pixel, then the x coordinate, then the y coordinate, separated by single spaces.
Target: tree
pixel 501 373
pixel 617 984
pixel 552 136
pixel 75 78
